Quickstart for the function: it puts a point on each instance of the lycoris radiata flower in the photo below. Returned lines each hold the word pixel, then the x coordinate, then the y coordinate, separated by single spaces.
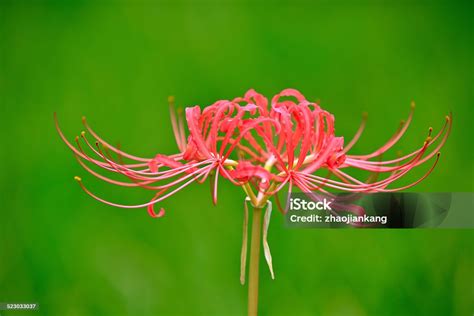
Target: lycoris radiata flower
pixel 260 146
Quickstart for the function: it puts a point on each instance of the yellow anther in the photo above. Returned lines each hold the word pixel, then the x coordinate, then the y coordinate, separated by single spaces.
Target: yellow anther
pixel 171 99
pixel 77 179
pixel 412 104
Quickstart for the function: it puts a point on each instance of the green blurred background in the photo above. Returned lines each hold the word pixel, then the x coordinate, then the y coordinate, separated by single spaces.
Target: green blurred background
pixel 116 63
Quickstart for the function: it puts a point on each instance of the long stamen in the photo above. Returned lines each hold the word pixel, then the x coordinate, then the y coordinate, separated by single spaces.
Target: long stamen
pixel 361 165
pixel 393 140
pixel 140 175
pixel 377 186
pixel 89 129
pixel 447 125
pixel 357 134
pixel 104 178
pixel 79 180
pixel 133 177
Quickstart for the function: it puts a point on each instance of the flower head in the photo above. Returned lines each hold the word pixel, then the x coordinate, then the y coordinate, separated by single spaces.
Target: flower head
pixel 260 145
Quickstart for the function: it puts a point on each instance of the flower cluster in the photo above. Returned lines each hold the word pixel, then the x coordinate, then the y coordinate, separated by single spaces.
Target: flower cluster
pixel 260 145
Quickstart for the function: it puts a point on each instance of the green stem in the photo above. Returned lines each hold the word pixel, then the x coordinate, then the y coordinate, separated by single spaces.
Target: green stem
pixel 254 261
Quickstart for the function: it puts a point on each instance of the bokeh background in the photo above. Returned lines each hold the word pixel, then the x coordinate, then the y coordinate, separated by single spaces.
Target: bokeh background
pixel 116 63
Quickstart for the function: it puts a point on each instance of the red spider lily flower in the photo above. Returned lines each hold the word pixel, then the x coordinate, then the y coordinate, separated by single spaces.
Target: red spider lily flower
pixel 259 145
pixel 206 151
pixel 306 143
